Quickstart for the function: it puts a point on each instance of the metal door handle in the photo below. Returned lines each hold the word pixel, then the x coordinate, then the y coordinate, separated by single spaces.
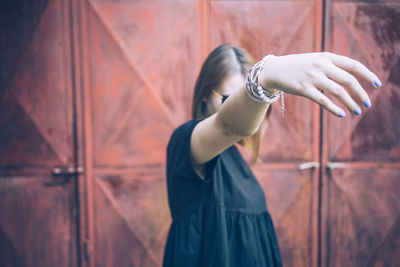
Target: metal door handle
pixel 309 165
pixel 61 176
pixel 68 171
pixel 336 165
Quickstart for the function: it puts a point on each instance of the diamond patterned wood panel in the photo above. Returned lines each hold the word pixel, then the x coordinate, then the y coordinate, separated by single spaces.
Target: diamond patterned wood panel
pixel 143 61
pixel 36 118
pixel 289 194
pixel 39 228
pixel 369 33
pixel 132 213
pixel 136 81
pixel 361 217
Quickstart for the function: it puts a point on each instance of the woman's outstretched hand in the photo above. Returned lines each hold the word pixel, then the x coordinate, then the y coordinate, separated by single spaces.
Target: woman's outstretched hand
pixel 307 74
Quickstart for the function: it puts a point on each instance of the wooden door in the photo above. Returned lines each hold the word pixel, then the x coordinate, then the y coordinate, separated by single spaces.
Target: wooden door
pixel 140 61
pixel 361 201
pixel 38 205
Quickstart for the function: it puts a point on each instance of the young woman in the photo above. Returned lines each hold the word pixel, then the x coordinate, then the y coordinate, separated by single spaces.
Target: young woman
pixel 219 212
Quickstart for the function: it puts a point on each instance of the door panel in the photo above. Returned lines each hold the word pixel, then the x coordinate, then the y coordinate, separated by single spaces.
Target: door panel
pixel 40 137
pixel 289 194
pixel 131 215
pixel 137 54
pixel 37 221
pixel 361 210
pixel 360 204
pixel 134 78
pixel 369 33
pixel 39 228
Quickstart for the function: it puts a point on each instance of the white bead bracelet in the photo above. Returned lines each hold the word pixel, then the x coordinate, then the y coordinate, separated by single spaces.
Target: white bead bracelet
pixel 256 91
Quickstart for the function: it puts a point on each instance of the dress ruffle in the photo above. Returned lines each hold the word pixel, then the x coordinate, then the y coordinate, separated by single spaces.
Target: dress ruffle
pixel 247 240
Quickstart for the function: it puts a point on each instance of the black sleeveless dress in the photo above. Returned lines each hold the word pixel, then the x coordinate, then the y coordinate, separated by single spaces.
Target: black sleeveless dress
pixel 221 221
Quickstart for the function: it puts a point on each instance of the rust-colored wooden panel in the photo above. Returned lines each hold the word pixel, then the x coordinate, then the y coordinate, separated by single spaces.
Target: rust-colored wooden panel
pixel 263 27
pixel 369 33
pixel 276 27
pixel 37 225
pixel 142 60
pixel 132 215
pixel 141 91
pixel 361 224
pixel 157 39
pixel 36 130
pixel 289 195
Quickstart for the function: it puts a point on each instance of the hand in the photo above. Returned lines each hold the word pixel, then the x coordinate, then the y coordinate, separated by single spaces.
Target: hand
pixel 306 74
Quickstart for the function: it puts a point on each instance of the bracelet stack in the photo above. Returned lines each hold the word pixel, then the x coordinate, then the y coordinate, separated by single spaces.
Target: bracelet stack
pixel 256 91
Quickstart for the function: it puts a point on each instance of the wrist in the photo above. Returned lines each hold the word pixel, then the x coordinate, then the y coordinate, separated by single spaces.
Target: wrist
pixel 267 75
pixel 260 80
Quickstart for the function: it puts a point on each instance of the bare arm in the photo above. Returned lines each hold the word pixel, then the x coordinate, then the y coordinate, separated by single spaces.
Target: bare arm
pixel 304 75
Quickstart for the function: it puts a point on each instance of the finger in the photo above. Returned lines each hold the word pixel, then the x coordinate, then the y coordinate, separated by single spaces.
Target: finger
pixel 350 82
pixel 355 67
pixel 316 96
pixel 339 93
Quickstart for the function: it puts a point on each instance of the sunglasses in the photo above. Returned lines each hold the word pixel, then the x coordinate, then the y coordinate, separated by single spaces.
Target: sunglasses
pixel 223 97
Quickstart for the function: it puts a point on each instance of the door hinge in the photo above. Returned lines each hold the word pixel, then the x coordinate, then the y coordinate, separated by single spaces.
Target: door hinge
pixel 86 250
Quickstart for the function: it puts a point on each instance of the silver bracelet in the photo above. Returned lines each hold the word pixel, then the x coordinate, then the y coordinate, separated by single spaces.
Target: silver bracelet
pixel 256 91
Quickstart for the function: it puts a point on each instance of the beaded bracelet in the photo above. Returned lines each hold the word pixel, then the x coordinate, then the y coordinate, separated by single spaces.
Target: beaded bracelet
pixel 256 91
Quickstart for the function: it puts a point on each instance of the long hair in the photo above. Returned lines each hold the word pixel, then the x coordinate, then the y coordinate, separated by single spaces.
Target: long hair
pixel 223 61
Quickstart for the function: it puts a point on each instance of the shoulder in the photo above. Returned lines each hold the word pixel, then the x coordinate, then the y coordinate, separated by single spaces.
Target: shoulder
pixel 179 159
pixel 186 127
pixel 183 132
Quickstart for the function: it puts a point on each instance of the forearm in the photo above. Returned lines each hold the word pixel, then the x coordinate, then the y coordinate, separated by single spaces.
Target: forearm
pixel 241 115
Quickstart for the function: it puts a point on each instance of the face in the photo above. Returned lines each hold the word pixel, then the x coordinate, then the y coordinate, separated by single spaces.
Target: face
pixel 230 85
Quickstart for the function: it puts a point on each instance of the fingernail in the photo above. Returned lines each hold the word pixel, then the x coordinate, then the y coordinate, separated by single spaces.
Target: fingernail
pixel 377 83
pixel 367 103
pixel 357 111
pixel 342 114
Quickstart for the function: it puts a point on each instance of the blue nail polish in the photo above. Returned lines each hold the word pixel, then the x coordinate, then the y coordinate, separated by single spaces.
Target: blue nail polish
pixel 367 103
pixel 342 114
pixel 377 83
pixel 357 111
